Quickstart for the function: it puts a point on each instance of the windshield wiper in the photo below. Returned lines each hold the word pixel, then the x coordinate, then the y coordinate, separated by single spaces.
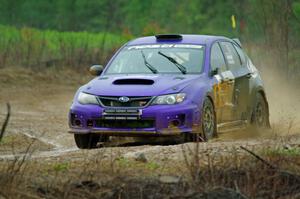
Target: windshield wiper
pixel 153 70
pixel 171 59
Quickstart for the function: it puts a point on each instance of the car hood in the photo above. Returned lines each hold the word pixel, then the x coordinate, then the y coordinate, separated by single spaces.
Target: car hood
pixel 138 85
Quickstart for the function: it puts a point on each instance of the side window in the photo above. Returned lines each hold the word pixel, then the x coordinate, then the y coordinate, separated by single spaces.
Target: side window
pixel 217 58
pixel 241 54
pixel 231 56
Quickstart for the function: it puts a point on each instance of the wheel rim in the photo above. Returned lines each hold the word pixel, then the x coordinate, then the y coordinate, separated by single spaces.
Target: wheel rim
pixel 208 121
pixel 260 114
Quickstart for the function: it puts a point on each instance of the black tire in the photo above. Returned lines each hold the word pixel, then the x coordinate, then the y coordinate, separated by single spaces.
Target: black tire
pixel 145 139
pixel 160 140
pixel 208 126
pixel 260 113
pixel 89 141
pixel 208 120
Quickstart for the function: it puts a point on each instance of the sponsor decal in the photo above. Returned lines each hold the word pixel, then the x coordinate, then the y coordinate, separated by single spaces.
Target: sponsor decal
pixel 164 46
pixel 223 91
pixel 218 77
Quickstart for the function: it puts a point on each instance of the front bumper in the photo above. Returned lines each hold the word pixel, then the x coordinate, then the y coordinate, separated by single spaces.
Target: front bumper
pixel 156 120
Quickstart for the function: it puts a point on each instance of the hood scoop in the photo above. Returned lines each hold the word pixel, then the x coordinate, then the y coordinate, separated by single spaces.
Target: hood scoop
pixel 133 82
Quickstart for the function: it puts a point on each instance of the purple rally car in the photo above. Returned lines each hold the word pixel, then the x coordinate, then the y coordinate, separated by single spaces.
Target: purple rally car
pixel 170 85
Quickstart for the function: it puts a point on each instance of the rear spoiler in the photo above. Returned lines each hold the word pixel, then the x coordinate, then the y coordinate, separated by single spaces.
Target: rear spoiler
pixel 237 41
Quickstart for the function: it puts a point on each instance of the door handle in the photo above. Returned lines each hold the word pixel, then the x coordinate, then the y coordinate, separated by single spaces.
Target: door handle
pixel 236 96
pixel 249 75
pixel 229 81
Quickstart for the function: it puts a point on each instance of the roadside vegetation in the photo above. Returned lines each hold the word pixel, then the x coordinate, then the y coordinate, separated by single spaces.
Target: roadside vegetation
pixel 101 174
pixel 40 49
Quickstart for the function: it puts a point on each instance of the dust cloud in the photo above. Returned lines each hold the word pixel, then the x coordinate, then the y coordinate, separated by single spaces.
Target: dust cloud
pixel 283 96
pixel 284 102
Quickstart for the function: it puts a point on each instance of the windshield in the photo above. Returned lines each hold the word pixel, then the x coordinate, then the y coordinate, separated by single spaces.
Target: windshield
pixel 158 58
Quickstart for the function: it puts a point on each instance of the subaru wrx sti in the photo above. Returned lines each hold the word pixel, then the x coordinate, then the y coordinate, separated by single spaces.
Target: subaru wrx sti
pixel 170 85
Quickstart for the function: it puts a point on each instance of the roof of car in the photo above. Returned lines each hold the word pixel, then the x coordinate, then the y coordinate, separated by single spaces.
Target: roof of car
pixel 186 39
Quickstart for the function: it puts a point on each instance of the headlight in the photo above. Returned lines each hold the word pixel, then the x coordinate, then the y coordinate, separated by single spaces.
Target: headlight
pixel 169 99
pixel 84 98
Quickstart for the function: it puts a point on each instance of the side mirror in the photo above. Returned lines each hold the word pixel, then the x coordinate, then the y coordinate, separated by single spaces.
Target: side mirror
pixel 96 70
pixel 214 72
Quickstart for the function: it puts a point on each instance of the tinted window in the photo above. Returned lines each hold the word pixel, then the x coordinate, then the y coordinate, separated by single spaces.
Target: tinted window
pixel 217 58
pixel 131 60
pixel 231 56
pixel 241 54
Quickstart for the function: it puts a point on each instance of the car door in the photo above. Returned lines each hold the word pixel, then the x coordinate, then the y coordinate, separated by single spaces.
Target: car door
pixel 242 87
pixel 237 66
pixel 224 85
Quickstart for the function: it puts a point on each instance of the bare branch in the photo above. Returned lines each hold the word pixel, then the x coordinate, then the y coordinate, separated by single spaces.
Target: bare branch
pixel 258 157
pixel 5 122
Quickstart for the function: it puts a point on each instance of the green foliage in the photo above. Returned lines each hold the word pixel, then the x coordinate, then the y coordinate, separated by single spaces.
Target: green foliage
pixel 296 9
pixel 147 17
pixel 60 167
pixel 283 152
pixel 124 162
pixel 139 17
pixel 144 17
pixel 152 165
pixel 6 140
pixel 32 47
pixel 80 32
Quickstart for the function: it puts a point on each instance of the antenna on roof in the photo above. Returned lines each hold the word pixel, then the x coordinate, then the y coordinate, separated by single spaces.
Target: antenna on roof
pixel 168 37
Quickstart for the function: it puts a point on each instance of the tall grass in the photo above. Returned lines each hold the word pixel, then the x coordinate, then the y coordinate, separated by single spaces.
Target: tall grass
pixel 34 48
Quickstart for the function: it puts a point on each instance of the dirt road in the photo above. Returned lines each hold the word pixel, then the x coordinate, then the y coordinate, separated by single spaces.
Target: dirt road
pixel 40 103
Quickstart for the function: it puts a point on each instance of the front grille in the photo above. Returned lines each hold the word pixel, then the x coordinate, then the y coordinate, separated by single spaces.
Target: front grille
pixel 133 101
pixel 149 123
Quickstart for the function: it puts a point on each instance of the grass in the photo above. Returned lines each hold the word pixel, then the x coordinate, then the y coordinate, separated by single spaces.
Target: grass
pixel 38 49
pixel 35 48
pixel 61 167
pixel 283 152
pixel 152 166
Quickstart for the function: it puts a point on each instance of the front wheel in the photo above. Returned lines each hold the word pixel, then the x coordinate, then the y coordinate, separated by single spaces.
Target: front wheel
pixel 208 120
pixel 89 141
pixel 208 126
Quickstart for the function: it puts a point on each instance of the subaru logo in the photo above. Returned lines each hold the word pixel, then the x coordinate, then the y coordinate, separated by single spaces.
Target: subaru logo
pixel 123 99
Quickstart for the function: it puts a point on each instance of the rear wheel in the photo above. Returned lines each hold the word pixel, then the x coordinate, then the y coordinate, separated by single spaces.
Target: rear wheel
pixel 89 141
pixel 260 113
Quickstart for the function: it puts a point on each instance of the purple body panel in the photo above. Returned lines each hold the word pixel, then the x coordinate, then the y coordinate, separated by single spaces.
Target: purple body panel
pixel 163 84
pixel 187 113
pixel 163 114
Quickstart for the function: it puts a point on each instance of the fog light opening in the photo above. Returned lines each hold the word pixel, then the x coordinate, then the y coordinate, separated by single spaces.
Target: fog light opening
pixel 89 123
pixel 174 123
pixel 77 122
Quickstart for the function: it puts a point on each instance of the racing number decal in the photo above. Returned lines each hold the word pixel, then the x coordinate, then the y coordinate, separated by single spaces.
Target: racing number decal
pixel 223 90
pixel 220 90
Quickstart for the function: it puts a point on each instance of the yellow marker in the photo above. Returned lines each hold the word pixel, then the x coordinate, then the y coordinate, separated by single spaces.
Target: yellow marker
pixel 233 23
